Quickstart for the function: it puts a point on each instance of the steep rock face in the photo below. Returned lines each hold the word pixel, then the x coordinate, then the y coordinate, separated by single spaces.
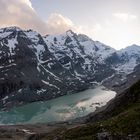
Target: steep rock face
pixel 126 63
pixel 33 67
pixel 80 55
pixel 29 71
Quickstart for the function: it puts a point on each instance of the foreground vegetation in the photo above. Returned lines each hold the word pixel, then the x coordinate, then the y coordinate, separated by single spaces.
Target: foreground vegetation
pixel 124 122
pixel 120 120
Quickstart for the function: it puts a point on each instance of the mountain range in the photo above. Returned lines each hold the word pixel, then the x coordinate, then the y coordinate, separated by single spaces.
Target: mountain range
pixel 36 68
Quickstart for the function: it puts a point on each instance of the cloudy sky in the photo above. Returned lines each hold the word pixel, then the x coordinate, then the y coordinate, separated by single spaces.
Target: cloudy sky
pixel 113 22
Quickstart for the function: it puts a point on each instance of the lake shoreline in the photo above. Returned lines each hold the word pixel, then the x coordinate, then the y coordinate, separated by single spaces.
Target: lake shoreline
pixel 64 108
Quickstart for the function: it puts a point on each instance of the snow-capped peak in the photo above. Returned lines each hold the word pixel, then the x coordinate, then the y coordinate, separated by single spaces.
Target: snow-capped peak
pixel 10 29
pixel 33 35
pixel 130 50
pixel 70 33
pixel 129 58
pixel 133 48
pixel 83 38
pixel 4 32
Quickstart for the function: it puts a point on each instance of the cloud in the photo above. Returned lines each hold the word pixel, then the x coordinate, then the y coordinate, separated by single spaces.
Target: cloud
pixel 90 30
pixel 57 23
pixel 21 13
pixel 125 16
pixel 27 2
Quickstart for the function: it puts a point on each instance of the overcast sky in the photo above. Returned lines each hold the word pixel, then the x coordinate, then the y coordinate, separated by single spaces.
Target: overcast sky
pixel 113 22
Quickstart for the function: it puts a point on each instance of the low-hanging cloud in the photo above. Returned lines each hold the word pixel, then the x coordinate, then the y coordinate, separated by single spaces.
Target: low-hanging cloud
pixel 21 13
pixel 57 23
pixel 125 16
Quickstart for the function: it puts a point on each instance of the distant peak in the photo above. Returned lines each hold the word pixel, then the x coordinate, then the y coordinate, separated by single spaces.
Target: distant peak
pixel 10 29
pixel 32 31
pixel 83 38
pixel 133 47
pixel 69 31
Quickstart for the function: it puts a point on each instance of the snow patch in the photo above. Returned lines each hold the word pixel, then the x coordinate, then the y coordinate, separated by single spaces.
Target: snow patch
pixel 51 85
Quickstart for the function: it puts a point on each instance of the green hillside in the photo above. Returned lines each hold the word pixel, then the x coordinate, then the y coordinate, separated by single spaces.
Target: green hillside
pixel 122 121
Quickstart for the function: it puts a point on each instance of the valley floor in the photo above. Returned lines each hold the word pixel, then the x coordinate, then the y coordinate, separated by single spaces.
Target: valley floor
pixel 120 120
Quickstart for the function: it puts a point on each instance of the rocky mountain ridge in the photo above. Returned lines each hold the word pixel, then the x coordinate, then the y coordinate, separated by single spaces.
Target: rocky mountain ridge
pixel 35 67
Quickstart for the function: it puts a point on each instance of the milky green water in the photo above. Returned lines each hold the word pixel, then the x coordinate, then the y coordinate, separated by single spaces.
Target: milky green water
pixel 59 109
